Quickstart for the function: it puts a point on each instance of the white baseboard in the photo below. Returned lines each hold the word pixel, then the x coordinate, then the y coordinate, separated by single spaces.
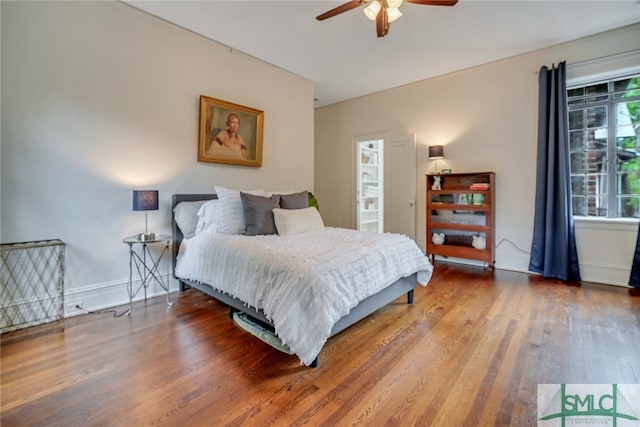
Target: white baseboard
pixel 105 295
pixel 606 274
pixel 617 275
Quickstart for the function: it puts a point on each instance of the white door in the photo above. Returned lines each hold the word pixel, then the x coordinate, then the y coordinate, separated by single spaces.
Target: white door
pixel 400 185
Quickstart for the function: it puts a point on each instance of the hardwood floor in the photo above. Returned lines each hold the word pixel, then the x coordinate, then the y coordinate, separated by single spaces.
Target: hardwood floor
pixel 469 352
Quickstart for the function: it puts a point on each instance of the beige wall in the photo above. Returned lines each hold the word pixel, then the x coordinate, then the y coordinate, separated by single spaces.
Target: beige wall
pixel 487 119
pixel 99 99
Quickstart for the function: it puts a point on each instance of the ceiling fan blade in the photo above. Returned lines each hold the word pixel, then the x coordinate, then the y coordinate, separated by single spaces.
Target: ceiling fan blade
pixel 434 2
pixel 340 9
pixel 382 22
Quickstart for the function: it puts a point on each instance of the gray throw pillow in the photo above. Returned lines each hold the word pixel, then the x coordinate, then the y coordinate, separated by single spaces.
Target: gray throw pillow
pixel 258 213
pixel 294 201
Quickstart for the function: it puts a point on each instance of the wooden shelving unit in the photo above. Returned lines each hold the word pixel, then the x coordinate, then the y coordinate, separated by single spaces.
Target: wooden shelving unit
pixel 460 212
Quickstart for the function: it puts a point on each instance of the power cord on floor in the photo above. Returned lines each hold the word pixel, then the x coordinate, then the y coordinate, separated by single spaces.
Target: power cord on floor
pixel 115 313
pixel 514 245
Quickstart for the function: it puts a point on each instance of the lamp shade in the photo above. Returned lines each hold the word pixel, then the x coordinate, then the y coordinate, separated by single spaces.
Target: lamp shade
pixel 393 13
pixel 372 10
pixel 145 200
pixel 436 151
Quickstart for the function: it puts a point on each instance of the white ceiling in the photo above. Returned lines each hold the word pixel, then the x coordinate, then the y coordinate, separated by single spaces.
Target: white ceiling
pixel 345 59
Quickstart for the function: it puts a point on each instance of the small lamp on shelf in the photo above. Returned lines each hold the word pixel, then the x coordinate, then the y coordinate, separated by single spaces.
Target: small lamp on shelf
pixel 145 200
pixel 436 152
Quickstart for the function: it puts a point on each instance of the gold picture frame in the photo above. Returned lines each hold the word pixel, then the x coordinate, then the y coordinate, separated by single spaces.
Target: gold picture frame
pixel 229 133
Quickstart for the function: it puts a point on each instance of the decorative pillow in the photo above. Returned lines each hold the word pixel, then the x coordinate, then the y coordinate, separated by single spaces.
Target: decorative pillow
pixel 231 215
pixel 209 218
pixel 186 216
pixel 279 192
pixel 294 201
pixel 294 221
pixel 313 201
pixel 258 213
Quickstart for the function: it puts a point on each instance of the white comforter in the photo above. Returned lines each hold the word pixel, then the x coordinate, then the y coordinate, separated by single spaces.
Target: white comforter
pixel 306 282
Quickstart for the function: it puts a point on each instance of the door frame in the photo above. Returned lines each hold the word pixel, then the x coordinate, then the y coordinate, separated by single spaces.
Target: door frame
pixel 355 139
pixel 387 137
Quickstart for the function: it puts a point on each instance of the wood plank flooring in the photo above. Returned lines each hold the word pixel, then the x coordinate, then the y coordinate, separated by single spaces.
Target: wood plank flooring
pixel 469 352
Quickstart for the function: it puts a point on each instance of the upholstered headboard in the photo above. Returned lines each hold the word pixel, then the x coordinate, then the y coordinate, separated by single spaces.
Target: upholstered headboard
pixel 176 233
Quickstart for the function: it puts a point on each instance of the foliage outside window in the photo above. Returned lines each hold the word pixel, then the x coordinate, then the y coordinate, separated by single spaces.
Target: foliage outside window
pixel 604 148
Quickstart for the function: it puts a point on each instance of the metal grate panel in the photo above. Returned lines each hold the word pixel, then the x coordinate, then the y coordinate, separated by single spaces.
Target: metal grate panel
pixel 31 284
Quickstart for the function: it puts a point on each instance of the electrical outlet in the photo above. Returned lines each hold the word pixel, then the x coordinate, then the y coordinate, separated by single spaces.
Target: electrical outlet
pixel 72 307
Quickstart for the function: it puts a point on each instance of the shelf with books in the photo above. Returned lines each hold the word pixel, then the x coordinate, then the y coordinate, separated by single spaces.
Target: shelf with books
pixel 460 216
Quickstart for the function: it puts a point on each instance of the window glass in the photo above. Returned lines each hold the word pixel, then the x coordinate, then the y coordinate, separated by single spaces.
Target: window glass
pixel 596 89
pixel 578 204
pixel 577 184
pixel 604 123
pixel 576 140
pixel 624 88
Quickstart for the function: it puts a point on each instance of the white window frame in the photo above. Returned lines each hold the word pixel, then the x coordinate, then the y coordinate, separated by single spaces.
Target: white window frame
pixel 599 70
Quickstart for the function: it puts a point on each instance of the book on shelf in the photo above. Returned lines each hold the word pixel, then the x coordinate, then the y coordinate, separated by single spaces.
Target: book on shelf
pixel 479 186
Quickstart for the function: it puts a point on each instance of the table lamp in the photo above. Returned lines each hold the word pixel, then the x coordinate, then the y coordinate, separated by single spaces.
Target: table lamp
pixel 145 200
pixel 436 152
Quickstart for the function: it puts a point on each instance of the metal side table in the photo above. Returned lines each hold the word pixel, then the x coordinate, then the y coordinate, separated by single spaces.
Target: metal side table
pixel 147 266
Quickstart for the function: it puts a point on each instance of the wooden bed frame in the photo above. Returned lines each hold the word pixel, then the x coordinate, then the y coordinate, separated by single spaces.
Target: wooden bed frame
pixel 405 285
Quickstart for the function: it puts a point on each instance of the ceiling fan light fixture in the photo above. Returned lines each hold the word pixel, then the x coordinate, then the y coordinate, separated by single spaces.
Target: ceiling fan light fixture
pixel 393 13
pixel 382 12
pixel 372 10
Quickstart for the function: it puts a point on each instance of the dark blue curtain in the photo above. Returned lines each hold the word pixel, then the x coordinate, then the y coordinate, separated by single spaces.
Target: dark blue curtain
pixel 634 280
pixel 553 250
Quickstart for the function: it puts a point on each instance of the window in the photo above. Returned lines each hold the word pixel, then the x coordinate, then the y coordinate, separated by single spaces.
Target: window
pixel 604 148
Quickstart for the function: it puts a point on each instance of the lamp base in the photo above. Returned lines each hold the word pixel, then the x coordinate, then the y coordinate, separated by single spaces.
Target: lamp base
pixel 145 237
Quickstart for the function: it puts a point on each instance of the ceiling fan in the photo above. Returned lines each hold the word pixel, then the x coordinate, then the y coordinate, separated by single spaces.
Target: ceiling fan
pixel 384 12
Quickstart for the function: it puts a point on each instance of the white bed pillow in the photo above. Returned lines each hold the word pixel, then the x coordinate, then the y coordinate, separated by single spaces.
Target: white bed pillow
pixel 209 217
pixel 294 221
pixel 231 213
pixel 186 216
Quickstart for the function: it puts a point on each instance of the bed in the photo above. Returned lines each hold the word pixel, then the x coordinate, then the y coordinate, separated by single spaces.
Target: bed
pixel 187 261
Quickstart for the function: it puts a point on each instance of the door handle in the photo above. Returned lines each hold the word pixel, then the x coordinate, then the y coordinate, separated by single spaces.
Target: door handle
pixel 410 204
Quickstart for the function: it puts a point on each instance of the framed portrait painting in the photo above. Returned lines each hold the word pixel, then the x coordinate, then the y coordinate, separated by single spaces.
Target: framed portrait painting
pixel 229 133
